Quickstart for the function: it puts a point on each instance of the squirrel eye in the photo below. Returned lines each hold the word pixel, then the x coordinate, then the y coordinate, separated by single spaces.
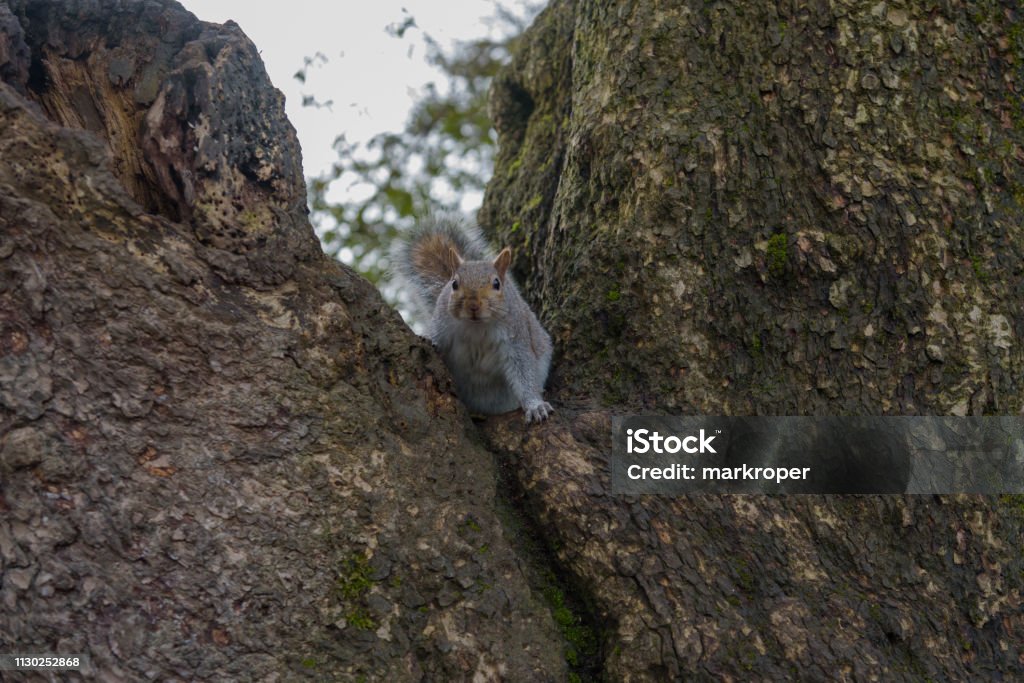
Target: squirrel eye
pixel 455 285
pixel 497 283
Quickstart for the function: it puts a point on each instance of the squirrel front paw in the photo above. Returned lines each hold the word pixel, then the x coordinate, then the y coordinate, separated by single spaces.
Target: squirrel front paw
pixel 538 411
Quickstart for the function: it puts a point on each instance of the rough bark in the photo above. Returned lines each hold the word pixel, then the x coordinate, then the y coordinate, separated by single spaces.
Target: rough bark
pixel 772 208
pixel 222 456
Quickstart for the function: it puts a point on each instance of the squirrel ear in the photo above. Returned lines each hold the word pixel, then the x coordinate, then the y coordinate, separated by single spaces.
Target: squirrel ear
pixel 502 262
pixel 452 261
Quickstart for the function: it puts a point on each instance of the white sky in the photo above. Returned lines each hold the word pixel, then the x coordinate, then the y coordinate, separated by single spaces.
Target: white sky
pixel 371 77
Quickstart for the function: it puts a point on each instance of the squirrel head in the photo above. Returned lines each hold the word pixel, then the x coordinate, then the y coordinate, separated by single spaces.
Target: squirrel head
pixel 477 288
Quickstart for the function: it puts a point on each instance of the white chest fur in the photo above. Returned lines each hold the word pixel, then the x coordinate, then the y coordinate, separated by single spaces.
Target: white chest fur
pixel 473 352
pixel 476 347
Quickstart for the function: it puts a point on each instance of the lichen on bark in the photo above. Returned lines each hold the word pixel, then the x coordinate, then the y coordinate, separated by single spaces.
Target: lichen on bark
pixel 777 208
pixel 676 144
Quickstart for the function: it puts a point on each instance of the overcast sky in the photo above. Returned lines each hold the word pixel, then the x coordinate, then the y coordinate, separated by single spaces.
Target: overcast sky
pixel 371 76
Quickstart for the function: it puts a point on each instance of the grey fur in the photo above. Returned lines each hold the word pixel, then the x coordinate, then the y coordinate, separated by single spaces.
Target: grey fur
pixel 498 363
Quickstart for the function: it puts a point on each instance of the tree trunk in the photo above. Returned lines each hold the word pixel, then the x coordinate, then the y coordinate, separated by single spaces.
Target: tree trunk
pixel 223 457
pixel 777 208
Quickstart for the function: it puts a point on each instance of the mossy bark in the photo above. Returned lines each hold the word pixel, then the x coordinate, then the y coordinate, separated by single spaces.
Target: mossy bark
pixel 772 208
pixel 781 208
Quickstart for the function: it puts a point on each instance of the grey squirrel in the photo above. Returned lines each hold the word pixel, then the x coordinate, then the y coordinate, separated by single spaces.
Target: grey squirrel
pixel 493 344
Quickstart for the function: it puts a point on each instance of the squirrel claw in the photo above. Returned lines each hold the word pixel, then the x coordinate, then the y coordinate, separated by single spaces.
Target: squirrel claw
pixel 538 412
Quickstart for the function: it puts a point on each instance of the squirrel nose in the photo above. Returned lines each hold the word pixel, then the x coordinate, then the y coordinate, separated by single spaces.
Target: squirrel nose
pixel 474 306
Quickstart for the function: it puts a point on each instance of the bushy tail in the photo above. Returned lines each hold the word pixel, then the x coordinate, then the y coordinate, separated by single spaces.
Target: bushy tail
pixel 418 257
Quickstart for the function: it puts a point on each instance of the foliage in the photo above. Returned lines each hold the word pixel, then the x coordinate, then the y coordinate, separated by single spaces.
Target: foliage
pixel 444 154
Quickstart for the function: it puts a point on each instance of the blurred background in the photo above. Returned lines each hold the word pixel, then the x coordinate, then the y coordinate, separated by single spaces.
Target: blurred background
pixel 390 103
